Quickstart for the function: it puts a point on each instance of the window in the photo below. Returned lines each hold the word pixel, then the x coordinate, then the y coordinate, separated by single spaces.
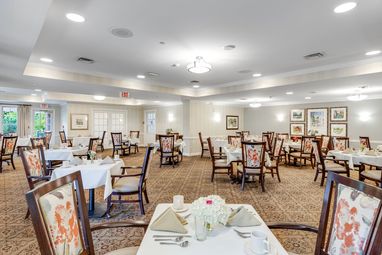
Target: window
pixel 8 121
pixel 110 121
pixel 42 121
pixel 151 123
pixel 117 122
pixel 100 123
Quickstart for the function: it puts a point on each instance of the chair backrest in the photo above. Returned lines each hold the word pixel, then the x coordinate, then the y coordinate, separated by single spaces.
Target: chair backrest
pixel 116 138
pixel 253 155
pixel 238 133
pixel 234 141
pixel 317 153
pixel 93 144
pixel 103 136
pixel 48 138
pixel 60 217
pixel 351 220
pixel 325 142
pixel 278 147
pixel 38 141
pixel 296 138
pixel 283 136
pixel 134 134
pixel 340 143
pixel 211 150
pixel 34 164
pixel 364 142
pixel 175 134
pixel 166 143
pixel 266 137
pixel 8 145
pixel 62 136
pixel 200 138
pixel 245 135
pixel 307 144
pixel 146 164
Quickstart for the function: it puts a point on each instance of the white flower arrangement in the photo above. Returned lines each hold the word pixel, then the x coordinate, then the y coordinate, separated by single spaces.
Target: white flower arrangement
pixel 212 209
pixel 92 154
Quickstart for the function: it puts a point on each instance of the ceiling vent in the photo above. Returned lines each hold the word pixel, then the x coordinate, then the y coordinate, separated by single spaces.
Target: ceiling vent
pixel 316 55
pixel 121 32
pixel 194 82
pixel 85 60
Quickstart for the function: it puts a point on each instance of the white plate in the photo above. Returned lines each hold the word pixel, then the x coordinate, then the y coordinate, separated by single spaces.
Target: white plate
pixel 249 251
pixel 179 210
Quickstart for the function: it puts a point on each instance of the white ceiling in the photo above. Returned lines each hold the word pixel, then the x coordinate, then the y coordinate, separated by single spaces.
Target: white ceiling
pixel 271 38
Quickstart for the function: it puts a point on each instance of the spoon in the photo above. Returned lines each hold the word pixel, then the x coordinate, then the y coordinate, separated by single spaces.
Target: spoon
pixel 242 233
pixel 182 244
pixel 177 239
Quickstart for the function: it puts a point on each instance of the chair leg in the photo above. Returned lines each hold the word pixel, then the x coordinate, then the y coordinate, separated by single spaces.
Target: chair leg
pixel 108 207
pixel 13 164
pixel 262 179
pixel 213 175
pixel 113 152
pixel 161 159
pixel 242 181
pixel 278 174
pixel 141 204
pixel 316 175
pixel 27 214
pixel 323 178
pixel 202 152
pixel 146 197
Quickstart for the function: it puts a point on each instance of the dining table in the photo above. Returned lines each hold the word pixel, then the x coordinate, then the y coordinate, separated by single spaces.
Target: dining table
pixel 178 145
pixel 64 154
pixel 94 174
pixel 357 157
pixel 222 240
pixel 235 155
pixel 80 141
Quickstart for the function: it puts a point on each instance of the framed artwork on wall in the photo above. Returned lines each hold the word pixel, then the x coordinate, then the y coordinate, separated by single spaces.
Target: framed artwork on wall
pixel 339 114
pixel 297 129
pixel 79 121
pixel 232 122
pixel 317 121
pixel 297 115
pixel 338 129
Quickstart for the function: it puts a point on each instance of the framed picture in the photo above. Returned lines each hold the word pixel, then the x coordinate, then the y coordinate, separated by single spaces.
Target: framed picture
pixel 79 121
pixel 338 129
pixel 297 115
pixel 339 114
pixel 297 129
pixel 232 122
pixel 317 121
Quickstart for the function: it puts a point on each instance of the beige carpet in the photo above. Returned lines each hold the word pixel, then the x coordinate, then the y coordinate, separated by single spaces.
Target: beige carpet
pixel 296 199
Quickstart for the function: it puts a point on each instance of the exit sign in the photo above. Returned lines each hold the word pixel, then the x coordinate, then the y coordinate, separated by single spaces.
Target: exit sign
pixel 125 94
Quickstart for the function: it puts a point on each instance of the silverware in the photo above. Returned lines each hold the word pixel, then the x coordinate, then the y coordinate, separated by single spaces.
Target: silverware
pixel 182 244
pixel 171 236
pixel 177 239
pixel 243 233
pixel 188 215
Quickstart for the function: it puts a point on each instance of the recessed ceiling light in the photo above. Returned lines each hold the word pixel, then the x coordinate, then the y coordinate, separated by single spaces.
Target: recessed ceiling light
pixel 307 98
pixel 163 43
pixel 358 97
pixel 245 71
pixel 152 74
pixel 141 76
pixel 256 74
pixel 46 60
pixel 121 32
pixel 243 99
pixel 255 105
pixel 34 94
pixel 289 93
pixel 229 47
pixel 99 98
pixel 373 52
pixel 157 102
pixel 345 7
pixel 75 17
pixel 38 90
pixel 195 86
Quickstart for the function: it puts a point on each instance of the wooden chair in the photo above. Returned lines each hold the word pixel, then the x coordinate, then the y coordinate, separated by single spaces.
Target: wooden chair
pixel 176 135
pixel 48 138
pixel 253 157
pixel 35 168
pixel 340 233
pixel 8 146
pixel 61 222
pixel 63 138
pixel 340 143
pixel 219 161
pixel 101 141
pixel 276 157
pixel 244 135
pixel 364 142
pixel 118 145
pixel 325 164
pixel 203 144
pixel 167 150
pixel 134 135
pixel 131 184
pixel 93 145
pixel 266 138
pixel 38 141
pixel 234 141
pixel 325 143
pixel 374 173
pixel 305 152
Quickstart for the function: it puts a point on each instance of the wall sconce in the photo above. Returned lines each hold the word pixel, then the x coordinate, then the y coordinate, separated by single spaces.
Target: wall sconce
pixel 171 117
pixel 216 117
pixel 280 117
pixel 364 116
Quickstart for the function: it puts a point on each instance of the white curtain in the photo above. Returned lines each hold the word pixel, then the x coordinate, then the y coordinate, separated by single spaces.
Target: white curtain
pixel 24 125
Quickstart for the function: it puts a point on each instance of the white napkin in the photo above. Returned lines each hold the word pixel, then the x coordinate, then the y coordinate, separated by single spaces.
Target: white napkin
pixel 169 221
pixel 76 161
pixel 241 217
pixel 107 160
pixel 371 153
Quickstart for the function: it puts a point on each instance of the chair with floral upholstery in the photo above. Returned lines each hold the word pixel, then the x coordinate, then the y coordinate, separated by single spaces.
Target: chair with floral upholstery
pixel 219 161
pixel 374 173
pixel 8 146
pixel 63 138
pixel 364 142
pixel 61 222
pixel 340 143
pixel 135 135
pixel 118 146
pixel 305 152
pixel 267 138
pixel 38 141
pixel 355 226
pixel 325 164
pixel 234 141
pixel 167 150
pixel 253 157
pixel 35 168
pixel 276 157
pixel 48 138
pixel 325 143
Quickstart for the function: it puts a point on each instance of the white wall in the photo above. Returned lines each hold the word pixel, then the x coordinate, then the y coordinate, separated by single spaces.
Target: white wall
pixel 262 119
pixel 162 118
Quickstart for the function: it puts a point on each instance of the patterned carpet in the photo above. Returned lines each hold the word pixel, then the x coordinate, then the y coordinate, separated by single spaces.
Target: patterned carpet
pixel 296 199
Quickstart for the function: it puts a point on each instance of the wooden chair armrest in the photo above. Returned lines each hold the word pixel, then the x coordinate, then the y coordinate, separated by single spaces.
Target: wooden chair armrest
pixel 42 178
pixel 301 227
pixel 121 224
pixel 125 175
pixel 370 165
pixel 339 160
pixel 131 167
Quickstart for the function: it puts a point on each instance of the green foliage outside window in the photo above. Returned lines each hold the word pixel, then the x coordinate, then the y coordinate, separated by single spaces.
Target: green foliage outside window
pixel 9 120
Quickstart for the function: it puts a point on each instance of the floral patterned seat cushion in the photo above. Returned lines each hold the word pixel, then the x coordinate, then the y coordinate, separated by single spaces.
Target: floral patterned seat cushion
pixel 61 220
pixel 354 216
pixel 9 146
pixel 167 144
pixel 340 145
pixel 253 154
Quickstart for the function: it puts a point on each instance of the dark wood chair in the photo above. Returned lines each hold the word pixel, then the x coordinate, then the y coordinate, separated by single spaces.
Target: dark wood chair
pixel 203 144
pixel 219 161
pixel 343 215
pixel 364 142
pixel 176 135
pixel 266 138
pixel 134 135
pixel 38 141
pixel 101 141
pixel 167 150
pixel 48 138
pixel 325 164
pixel 340 143
pixel 305 152
pixel 253 158
pixel 128 184
pixel 276 158
pixel 8 147
pixel 374 173
pixel 245 134
pixel 60 218
pixel 118 145
pixel 63 138
pixel 35 168
pixel 285 138
pixel 234 141
pixel 325 143
pixel 93 145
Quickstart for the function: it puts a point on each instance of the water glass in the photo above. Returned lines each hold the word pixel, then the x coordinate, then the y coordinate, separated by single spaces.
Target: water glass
pixel 200 228
pixel 178 202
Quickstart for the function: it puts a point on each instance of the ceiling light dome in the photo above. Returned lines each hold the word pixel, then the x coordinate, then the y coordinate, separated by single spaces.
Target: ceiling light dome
pixel 345 7
pixel 99 97
pixel 255 105
pixel 358 97
pixel 199 66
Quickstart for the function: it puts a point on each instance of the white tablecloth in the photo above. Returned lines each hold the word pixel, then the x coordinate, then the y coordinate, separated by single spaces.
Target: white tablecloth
pixel 64 154
pixel 181 145
pixel 356 158
pixel 81 140
pixel 291 145
pixel 222 241
pixel 23 141
pixel 219 143
pixel 236 154
pixel 93 175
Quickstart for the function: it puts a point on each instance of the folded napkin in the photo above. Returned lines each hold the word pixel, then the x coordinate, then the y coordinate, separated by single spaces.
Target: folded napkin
pixel 348 151
pixel 169 221
pixel 76 161
pixel 371 153
pixel 107 160
pixel 241 217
